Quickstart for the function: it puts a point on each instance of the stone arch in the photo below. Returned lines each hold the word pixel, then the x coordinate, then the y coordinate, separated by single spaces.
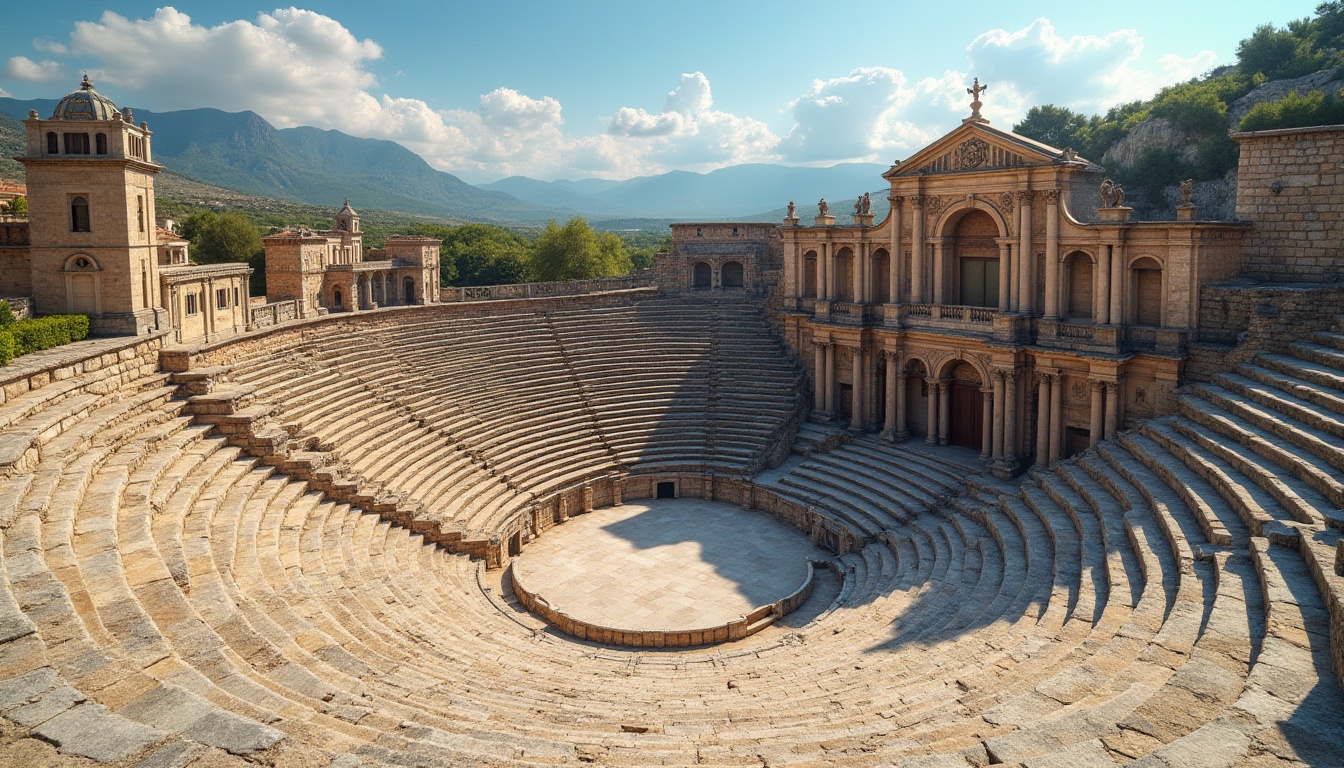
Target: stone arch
pixel 946 365
pixel 83 285
pixel 879 284
pixel 844 274
pixel 1147 294
pixel 915 370
pixel 732 275
pixel 337 297
pixel 1080 274
pixel 954 213
pixel 702 275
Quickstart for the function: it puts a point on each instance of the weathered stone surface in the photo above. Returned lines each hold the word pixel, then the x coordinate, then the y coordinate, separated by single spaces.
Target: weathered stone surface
pixel 89 730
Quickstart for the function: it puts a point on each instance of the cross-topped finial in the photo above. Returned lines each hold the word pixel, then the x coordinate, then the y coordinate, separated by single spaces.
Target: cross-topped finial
pixel 86 84
pixel 975 92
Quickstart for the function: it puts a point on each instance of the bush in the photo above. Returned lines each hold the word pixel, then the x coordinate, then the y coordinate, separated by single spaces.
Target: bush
pixel 6 314
pixel 38 333
pixel 1295 111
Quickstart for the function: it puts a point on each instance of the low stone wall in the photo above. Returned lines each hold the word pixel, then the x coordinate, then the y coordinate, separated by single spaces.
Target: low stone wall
pixel 21 306
pixel 737 629
pixel 1238 321
pixel 641 279
pixel 274 313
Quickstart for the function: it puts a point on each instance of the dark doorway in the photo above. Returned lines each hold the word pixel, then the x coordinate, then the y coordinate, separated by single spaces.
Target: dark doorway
pixel 846 401
pixel 701 275
pixel 667 490
pixel 408 290
pixel 967 415
pixel 516 544
pixel 732 274
pixel 1076 441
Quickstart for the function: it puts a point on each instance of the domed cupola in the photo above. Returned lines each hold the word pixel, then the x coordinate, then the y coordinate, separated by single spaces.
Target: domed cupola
pixel 85 104
pixel 346 219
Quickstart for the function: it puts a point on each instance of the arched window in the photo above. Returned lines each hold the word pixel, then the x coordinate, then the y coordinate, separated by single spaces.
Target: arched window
pixel 810 274
pixel 100 143
pixel 1078 273
pixel 336 298
pixel 732 274
pixel 844 275
pixel 79 214
pixel 53 144
pixel 701 275
pixel 977 260
pixel 1147 292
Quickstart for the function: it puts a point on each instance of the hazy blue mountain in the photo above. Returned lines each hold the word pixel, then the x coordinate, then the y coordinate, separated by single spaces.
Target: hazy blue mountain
pixel 241 151
pixel 735 192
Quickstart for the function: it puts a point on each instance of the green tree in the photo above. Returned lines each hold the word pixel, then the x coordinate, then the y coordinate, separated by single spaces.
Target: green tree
pixel 576 252
pixel 222 238
pixel 1048 124
pixel 1268 50
pixel 479 254
pixel 18 206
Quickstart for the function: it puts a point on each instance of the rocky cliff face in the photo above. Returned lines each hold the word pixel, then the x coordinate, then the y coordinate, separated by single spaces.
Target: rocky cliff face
pixel 1154 133
pixel 1277 89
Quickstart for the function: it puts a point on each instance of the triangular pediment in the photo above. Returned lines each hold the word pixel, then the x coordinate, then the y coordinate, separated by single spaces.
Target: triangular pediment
pixel 979 147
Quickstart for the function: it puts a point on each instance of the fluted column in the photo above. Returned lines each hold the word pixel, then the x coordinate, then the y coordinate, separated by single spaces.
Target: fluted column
pixel 1056 417
pixel 939 273
pixel 1118 285
pixel 889 424
pixel 1052 253
pixel 894 263
pixel 902 431
pixel 1112 409
pixel 1043 412
pixel 932 385
pixel 917 250
pixel 997 434
pixel 944 411
pixel 986 421
pixel 1005 275
pixel 1010 441
pixel 819 377
pixel 1097 412
pixel 857 400
pixel 1025 254
pixel 1101 299
pixel 830 378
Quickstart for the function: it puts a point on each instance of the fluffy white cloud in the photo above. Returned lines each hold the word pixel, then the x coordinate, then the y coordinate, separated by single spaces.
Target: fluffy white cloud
pixel 27 70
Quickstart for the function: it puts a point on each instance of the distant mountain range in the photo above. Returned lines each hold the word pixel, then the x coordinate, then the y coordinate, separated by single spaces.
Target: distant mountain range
pixel 242 151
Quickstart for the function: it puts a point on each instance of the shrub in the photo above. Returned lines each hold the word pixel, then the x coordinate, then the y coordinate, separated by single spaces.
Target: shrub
pixel 38 333
pixel 1295 111
pixel 6 346
pixel 6 314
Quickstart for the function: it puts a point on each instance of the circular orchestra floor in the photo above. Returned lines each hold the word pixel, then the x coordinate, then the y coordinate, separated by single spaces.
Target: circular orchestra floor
pixel 667 564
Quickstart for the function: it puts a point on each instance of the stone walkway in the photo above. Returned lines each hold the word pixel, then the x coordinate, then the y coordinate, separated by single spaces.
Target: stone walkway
pixel 667 564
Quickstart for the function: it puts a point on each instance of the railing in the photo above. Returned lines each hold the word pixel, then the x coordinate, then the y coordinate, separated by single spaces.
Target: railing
pixel 545 290
pixel 1066 331
pixel 952 313
pixel 274 313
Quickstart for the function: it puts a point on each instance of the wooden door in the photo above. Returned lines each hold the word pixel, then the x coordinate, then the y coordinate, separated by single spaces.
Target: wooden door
pixel 966 415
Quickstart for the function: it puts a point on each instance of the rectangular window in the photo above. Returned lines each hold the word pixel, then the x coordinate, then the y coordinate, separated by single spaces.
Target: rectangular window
pixel 979 282
pixel 235 297
pixel 192 307
pixel 222 298
pixel 76 143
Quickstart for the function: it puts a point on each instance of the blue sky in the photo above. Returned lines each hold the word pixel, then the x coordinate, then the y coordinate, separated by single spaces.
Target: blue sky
pixel 619 89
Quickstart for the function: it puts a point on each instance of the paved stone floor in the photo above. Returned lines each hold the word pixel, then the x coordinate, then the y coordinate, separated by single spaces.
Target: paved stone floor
pixel 667 564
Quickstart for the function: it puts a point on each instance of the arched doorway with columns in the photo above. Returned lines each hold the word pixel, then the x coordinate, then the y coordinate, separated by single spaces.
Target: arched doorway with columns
pixel 966 414
pixel 975 260
pixel 917 398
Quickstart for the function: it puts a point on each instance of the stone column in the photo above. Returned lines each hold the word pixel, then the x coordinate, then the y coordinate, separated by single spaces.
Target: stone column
pixel 932 437
pixel 917 250
pixel 617 489
pixel 1118 285
pixel 587 498
pixel 1052 253
pixel 944 411
pixel 997 435
pixel 1056 416
pixel 819 376
pixel 939 274
pixel 1097 412
pixel 1101 300
pixel 1025 255
pixel 902 432
pixel 857 400
pixel 986 421
pixel 1005 275
pixel 1043 412
pixel 830 378
pixel 1112 409
pixel 889 424
pixel 1010 416
pixel 562 507
pixel 894 262
pixel 858 273
pixel 824 287
pixel 798 270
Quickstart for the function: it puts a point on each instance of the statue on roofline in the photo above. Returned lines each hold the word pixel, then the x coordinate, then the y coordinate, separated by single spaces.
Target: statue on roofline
pixel 1107 193
pixel 1187 192
pixel 791 209
pixel 823 209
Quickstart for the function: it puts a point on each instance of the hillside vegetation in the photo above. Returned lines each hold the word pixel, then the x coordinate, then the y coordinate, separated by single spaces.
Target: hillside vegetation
pixel 1182 132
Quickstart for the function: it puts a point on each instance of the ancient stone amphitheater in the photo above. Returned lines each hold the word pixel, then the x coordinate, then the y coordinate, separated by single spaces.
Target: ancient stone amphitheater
pixel 274 551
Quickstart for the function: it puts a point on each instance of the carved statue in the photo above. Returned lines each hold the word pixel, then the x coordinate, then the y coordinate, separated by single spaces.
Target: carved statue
pixel 867 203
pixel 823 209
pixel 858 205
pixel 975 92
pixel 1069 155
pixel 1107 193
pixel 1187 192
pixel 1119 193
pixel 791 216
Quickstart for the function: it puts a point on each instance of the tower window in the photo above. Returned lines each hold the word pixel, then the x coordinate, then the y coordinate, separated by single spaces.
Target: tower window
pixel 79 214
pixel 53 145
pixel 140 210
pixel 100 143
pixel 76 143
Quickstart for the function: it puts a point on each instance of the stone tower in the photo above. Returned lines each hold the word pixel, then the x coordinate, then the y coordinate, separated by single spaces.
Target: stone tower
pixel 91 214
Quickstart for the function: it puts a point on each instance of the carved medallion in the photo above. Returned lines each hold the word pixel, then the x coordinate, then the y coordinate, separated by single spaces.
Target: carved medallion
pixel 1006 202
pixel 972 153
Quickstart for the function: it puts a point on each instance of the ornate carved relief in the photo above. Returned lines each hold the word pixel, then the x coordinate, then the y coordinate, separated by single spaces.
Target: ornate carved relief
pixel 1006 202
pixel 971 153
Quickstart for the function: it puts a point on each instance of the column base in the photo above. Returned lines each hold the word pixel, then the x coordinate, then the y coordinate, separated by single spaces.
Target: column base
pixel 1005 469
